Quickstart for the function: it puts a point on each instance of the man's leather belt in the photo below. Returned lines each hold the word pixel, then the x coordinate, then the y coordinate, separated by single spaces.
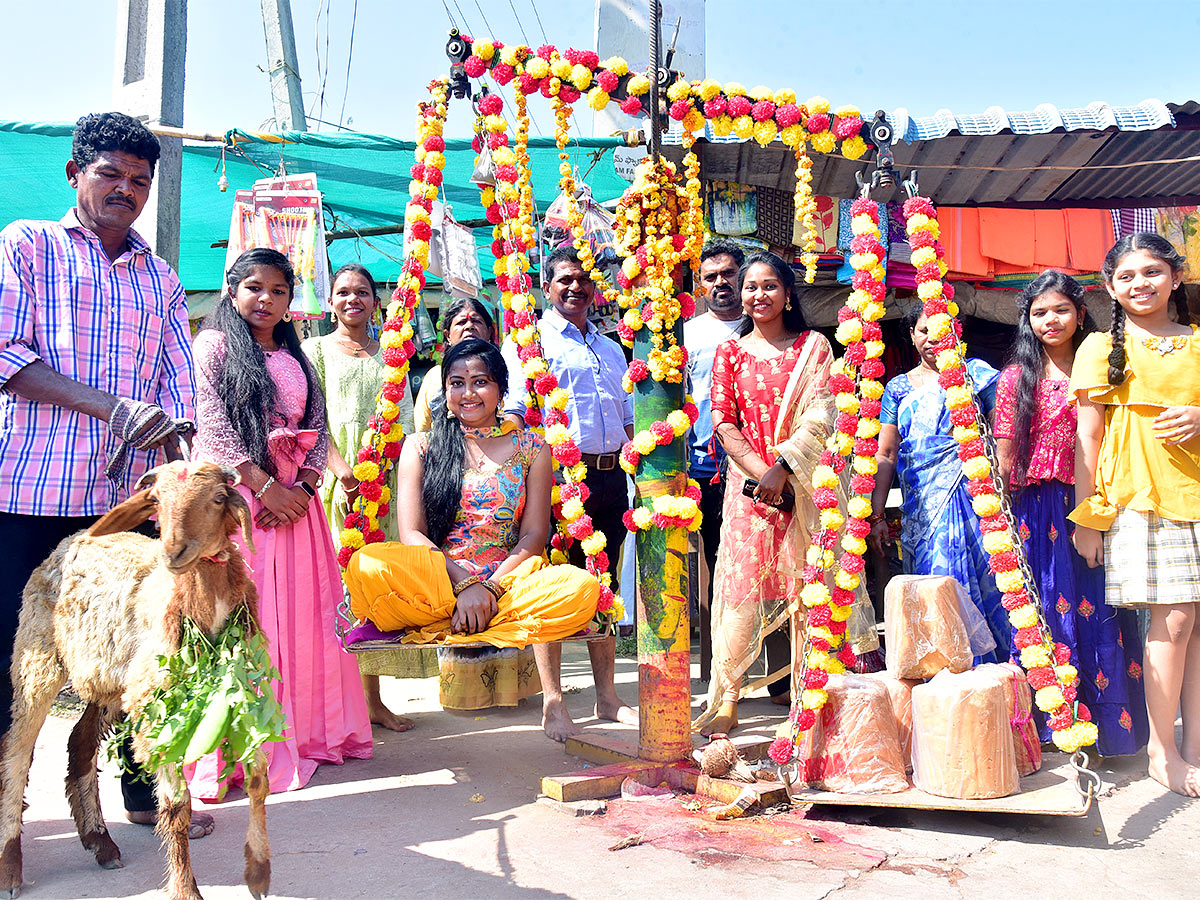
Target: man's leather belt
pixel 601 462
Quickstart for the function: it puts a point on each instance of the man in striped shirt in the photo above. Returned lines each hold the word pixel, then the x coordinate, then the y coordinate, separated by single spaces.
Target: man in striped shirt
pixel 95 363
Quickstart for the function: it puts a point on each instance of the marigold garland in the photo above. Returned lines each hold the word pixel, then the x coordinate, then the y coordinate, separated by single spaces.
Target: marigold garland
pixel 857 389
pixel 1046 661
pixel 384 431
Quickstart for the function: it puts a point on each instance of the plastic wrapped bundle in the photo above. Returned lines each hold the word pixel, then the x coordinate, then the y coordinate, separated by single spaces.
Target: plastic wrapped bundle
pixel 1027 743
pixel 900 693
pixel 962 741
pixel 854 746
pixel 930 624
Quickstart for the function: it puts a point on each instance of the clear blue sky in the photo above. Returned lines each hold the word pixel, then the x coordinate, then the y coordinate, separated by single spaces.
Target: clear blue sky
pixel 924 55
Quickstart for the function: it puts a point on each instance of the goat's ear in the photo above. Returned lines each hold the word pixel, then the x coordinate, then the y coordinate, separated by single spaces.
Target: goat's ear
pixel 147 481
pixel 238 511
pixel 232 476
pixel 125 516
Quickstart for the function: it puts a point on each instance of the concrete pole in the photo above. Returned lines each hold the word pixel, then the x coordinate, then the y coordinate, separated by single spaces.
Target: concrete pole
pixel 148 75
pixel 283 66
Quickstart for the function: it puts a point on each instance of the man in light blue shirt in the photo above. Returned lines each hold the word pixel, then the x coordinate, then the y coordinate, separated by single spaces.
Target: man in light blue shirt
pixel 590 367
pixel 720 263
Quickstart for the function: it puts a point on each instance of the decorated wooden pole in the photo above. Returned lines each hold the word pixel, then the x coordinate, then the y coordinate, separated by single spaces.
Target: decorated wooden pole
pixel 663 627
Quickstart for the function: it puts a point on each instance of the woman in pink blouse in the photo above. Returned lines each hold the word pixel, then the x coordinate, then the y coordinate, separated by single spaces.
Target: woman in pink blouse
pixel 259 409
pixel 1035 435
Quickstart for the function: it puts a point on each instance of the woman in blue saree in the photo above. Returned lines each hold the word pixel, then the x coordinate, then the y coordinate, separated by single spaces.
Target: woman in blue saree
pixel 939 531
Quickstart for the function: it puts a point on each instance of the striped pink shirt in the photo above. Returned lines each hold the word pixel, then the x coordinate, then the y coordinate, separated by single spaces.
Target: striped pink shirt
pixel 119 326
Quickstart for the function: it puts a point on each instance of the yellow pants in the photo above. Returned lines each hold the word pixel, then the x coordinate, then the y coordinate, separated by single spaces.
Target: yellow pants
pixel 397 586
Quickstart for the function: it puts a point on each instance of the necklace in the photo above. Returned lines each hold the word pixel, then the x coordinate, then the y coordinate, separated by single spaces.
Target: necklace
pixel 491 431
pixel 357 348
pixel 1165 345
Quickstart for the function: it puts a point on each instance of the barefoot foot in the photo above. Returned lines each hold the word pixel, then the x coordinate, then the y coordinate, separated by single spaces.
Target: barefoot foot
pixel 615 711
pixel 202 824
pixel 781 699
pixel 557 722
pixel 381 715
pixel 1176 775
pixel 725 722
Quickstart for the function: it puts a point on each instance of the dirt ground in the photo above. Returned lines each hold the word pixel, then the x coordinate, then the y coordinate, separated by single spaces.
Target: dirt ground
pixel 449 810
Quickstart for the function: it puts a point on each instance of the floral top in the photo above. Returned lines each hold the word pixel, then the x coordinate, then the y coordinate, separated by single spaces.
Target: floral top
pixel 292 448
pixel 747 391
pixel 1052 439
pixel 488 523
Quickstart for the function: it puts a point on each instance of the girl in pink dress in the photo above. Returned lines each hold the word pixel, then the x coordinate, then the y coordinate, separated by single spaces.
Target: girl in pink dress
pixel 260 411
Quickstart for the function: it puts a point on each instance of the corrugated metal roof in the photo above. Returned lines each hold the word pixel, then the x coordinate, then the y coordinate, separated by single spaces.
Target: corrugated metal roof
pixel 1097 156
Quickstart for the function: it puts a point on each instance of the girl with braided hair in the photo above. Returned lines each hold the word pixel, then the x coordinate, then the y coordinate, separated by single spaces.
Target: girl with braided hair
pixel 1035 440
pixel 1137 483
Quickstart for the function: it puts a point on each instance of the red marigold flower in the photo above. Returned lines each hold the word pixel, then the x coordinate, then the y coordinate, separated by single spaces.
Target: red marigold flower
pixel 392 449
pixel 492 214
pixel 567 454
pixel 860 528
pixel 370 490
pixel 715 107
pixel 546 51
pixel 581 528
pixel 872 368
pixel 781 750
pixel 915 205
pixel 964 416
pixel 819 616
pixel 949 342
pixel 994 523
pixel 948 290
pixel 921 239
pixel 739 106
pixel 841 596
pixel 806 719
pixel 1004 562
pixel 506 173
pixel 475 67
pixel 980 488
pixel 658 520
pixel 679 109
pixel 1041 676
pixel 762 110
pixel 861 206
pixel 817 122
pixel 631 106
pixel 820 644
pixel 1061 719
pixel 845 314
pixel 935 307
pixel 555 417
pixel 786 115
pixel 624 332
pixel 691 411
pixel 607 80
pixel 825 498
pixel 600 561
pixel 605 601
pixel 841 384
pixel 856 353
pixel 638 370
pixel 869 409
pixel 344 556
pixel 846 127
pixel 866 446
pixel 393 356
pixel 852 563
pixel 1082 713
pixel 589 59
pixel 1070 691
pixel 827 539
pixel 568 93
pixel 1014 599
pixel 533 417
pixel 1062 654
pixel 970 449
pixel 862 484
pixel 627 518
pixel 847 423
pixel 545 383
pixel 847 657
pixel 810 575
pixel 502 74
pixel 662 432
pixel 687 305
pixel 374 537
pixel 872 332
pixel 837 627
pixel 528 84
pixel 951 378
pixel 815 679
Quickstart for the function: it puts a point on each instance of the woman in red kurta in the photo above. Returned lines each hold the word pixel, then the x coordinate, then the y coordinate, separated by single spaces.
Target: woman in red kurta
pixel 771 412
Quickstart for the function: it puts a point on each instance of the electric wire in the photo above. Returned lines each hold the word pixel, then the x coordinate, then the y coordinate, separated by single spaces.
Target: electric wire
pixel 349 59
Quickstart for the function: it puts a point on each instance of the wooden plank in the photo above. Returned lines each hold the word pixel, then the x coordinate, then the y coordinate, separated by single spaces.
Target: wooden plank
pixel 600 782
pixel 602 748
pixel 1046 793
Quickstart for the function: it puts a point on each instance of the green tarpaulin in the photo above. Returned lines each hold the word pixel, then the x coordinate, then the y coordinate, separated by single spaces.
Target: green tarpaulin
pixel 364 179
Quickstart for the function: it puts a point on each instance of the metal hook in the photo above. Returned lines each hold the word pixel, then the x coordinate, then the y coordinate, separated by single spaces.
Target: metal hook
pixel 910 185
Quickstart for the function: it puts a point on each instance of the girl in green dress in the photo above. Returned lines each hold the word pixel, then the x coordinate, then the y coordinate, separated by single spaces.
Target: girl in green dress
pixel 349 367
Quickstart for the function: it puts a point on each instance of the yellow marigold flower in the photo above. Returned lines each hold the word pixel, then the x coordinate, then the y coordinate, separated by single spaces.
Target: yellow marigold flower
pixel 572 509
pixel 923 256
pixel 504 156
pixel 1049 699
pixel 389 339
pixel 958 396
pixel 693 121
pixel 794 136
pixel 818 659
pixel 1032 657
pixel 817 105
pixel 734 89
pixel 679 90
pixel 1081 734
pixel 556 494
pixel 1067 674
pixel 816 556
pixel 841 613
pixel 617 613
pixel 577 472
pixel 865 465
pixel 871 388
pixel 784 97
pixel 854 148
pixel 813 698
pixel 558 398
pixel 824 476
pixel 977 468
pixel 1023 616
pixel 722 125
pixel 644 442
pixel 859 507
pixel 764 132
pixel 986 505
pixel 638 85
pixel 848 581
pixel 843 443
pixel 557 434
pixel 824 142
pixel 938 326
pixel 532 368
pixel 366 471
pixel 508 56
pixel 743 127
pixel 594 543
pixel 847 403
pixel 641 517
pixel 949 359
pixel 558 558
pixel 537 67
pixel 1007 581
pixel 708 88
pixel 415 213
pixel 855 545
pixel 832 519
pixel 929 290
pixel 997 542
pixel 581 76
pixel 352 537
pixel 616 65
pixel 819 632
pixel 389 410
pixel 597 98
pixel 849 331
pixel 371 509
pixel 678 421
pixel 867 428
pixel 485 50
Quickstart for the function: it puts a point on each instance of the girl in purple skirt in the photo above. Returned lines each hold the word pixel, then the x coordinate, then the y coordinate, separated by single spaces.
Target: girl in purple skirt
pixel 1035 434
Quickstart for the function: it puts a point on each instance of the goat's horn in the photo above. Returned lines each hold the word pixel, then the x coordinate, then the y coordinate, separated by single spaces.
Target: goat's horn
pixel 148 479
pixel 232 475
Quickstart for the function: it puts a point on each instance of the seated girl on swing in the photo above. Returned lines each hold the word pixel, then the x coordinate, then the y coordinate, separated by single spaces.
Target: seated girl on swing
pixel 474 510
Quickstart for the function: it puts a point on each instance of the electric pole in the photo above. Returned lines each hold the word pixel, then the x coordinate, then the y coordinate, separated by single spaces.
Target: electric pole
pixel 282 66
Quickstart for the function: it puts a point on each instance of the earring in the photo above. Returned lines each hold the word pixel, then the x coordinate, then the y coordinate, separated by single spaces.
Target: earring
pixel 287 316
pixel 788 305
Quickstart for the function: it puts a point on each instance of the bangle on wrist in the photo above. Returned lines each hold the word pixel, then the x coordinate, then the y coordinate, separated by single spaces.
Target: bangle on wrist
pixel 875 517
pixel 466 583
pixel 266 484
pixel 494 588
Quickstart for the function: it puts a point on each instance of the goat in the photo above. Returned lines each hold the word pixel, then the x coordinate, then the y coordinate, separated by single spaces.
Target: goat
pixel 99 611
